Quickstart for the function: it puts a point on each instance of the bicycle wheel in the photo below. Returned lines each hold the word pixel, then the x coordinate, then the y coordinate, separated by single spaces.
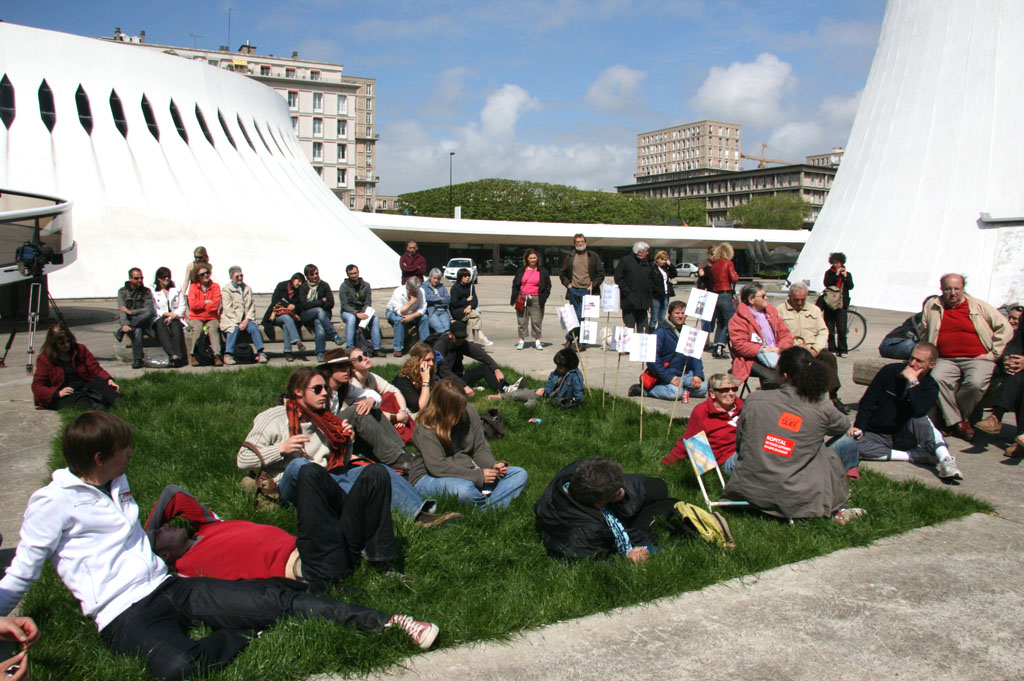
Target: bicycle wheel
pixel 856 329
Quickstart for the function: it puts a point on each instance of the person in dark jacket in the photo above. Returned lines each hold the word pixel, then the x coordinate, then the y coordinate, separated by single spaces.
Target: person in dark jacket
pixel 68 375
pixel 836 275
pixel 533 282
pixel 633 275
pixel 662 274
pixel 464 304
pixel 581 274
pixel 315 304
pixel 412 263
pixel 676 372
pixel 453 347
pixel 1011 395
pixel 283 311
pixel 893 414
pixel 136 313
pixel 356 298
pixel 592 508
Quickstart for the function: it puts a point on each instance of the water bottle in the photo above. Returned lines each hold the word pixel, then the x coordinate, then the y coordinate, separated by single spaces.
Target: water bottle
pixel 536 420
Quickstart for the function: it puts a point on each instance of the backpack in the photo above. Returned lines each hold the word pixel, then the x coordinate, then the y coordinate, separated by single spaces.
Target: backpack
pixel 362 341
pixel 202 351
pixel 695 521
pixel 493 423
pixel 244 354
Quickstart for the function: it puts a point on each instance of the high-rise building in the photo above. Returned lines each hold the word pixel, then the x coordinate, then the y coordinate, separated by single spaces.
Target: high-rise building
pixel 332 113
pixel 704 145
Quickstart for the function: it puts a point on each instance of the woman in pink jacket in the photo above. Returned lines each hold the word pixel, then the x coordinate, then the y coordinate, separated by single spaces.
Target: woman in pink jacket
pixel 757 335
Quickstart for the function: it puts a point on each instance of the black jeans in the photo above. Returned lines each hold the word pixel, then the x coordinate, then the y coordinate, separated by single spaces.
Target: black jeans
pixel 835 320
pixel 1011 398
pixel 171 337
pixel 635 318
pixel 481 370
pixel 335 527
pixel 96 394
pixel 657 504
pixel 156 627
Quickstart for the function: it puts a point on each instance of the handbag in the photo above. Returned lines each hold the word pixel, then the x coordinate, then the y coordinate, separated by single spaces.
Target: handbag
pixel 520 302
pixel 648 380
pixel 266 486
pixel 202 351
pixel 833 297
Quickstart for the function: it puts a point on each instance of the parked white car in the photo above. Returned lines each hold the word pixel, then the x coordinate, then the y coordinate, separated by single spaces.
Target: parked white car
pixel 456 264
pixel 686 269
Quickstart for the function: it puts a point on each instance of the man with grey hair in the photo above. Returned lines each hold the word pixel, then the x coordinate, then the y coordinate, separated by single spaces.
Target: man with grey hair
pixel 633 275
pixel 238 313
pixel 408 306
pixel 581 274
pixel 970 336
pixel 810 331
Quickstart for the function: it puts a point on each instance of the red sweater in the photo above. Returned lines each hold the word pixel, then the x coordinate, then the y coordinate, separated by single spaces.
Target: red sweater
pixel 957 335
pixel 719 426
pixel 49 377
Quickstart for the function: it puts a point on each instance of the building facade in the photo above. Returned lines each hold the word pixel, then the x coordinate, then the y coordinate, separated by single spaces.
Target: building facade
pixel 829 160
pixel 332 113
pixel 704 145
pixel 723 190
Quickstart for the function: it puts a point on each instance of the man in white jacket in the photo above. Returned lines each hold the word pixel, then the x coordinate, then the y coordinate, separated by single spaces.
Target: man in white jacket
pixel 86 523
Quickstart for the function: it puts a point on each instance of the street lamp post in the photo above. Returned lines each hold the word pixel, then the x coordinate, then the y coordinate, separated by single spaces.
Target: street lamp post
pixel 451 205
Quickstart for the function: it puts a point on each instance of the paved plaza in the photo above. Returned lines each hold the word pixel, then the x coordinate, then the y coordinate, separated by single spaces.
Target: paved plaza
pixel 941 602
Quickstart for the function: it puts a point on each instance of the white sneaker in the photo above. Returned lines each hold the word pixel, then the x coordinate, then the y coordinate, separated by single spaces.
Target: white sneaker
pixel 515 386
pixel 485 341
pixel 229 359
pixel 538 345
pixel 948 470
pixel 520 345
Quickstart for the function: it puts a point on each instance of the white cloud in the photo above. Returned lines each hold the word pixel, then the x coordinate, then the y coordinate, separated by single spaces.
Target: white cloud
pixel 451 85
pixel 747 93
pixel 503 109
pixel 797 139
pixel 615 90
pixel 841 110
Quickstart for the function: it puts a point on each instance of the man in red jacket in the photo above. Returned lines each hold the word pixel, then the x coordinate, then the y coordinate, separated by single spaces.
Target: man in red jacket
pixel 412 263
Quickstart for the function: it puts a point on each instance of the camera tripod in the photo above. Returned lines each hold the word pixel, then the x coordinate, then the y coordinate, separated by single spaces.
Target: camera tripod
pixel 35 295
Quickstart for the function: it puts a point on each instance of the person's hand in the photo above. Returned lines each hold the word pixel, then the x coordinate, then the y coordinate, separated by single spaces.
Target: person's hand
pixel 855 432
pixel 469 297
pixel 814 353
pixel 696 382
pixel 126 328
pixel 346 428
pixel 772 349
pixel 362 315
pixel 406 318
pixel 244 323
pixel 1013 364
pixel 64 392
pixel 502 468
pixel 23 630
pixel 498 375
pixel 294 444
pixel 403 416
pixel 291 306
pixel 113 385
pixel 910 373
pixel 468 309
pixel 364 406
pixel 677 382
pixel 540 392
pixel 124 309
pixel 639 554
pixel 469 391
pixel 490 475
pixel 425 372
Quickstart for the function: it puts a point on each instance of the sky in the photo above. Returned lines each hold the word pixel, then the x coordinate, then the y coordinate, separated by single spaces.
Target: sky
pixel 550 91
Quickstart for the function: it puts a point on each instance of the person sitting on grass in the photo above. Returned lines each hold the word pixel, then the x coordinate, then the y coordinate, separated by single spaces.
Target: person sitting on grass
pixel 334 529
pixel 453 455
pixel 717 418
pixel 592 508
pixel 68 375
pixel 417 377
pixel 86 523
pixel 453 347
pixel 389 398
pixel 783 467
pixel 676 373
pixel 564 387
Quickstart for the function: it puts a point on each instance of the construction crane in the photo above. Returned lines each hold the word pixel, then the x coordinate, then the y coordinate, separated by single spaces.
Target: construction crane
pixel 762 160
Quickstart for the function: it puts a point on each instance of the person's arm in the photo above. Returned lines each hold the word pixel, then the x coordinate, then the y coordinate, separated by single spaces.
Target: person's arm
pixel 1001 333
pixel 575 385
pixel 250 306
pixel 545 287
pixel 733 274
pixel 213 302
pixel 565 274
pixel 481 450
pixel 347 298
pixel 783 336
pixel 88 368
pixel 42 530
pixel 181 305
pixel 326 295
pixel 44 387
pixel 848 281
pixel 740 333
pixel 436 461
pixel 268 438
pixel 596 277
pixel 476 351
pixel 175 502
pixel 871 399
pixel 122 305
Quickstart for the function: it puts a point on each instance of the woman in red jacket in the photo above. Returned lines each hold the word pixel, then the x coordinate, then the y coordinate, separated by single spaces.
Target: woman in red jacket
pixel 758 336
pixel 68 375
pixel 716 417
pixel 723 278
pixel 204 310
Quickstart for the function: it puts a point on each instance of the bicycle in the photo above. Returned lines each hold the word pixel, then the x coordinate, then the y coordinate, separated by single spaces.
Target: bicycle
pixel 856 328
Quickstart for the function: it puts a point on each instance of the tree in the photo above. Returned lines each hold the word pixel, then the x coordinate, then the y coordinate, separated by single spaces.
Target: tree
pixel 783 211
pixel 515 200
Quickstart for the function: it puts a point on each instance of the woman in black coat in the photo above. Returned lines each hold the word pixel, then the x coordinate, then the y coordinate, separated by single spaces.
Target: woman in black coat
pixel 837 276
pixel 662 274
pixel 533 282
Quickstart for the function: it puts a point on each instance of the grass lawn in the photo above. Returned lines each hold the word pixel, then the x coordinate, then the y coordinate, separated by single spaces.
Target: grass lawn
pixel 485 578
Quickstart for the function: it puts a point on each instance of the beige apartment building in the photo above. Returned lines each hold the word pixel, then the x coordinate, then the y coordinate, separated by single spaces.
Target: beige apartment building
pixel 830 160
pixel 704 145
pixel 332 113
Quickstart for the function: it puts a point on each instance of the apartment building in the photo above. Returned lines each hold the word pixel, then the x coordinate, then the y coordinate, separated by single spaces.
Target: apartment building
pixel 700 146
pixel 332 113
pixel 829 160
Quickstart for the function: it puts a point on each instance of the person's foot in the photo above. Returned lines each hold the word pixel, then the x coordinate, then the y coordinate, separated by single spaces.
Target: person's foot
pixel 569 343
pixel 990 424
pixel 963 430
pixel 485 341
pixel 373 353
pixel 520 345
pixel 845 515
pixel 229 359
pixel 423 634
pixel 634 390
pixel 948 470
pixel 840 406
pixel 119 334
pixel 137 364
pixel 425 519
pixel 1014 451
pixel 217 361
pixel 515 386
pixel 319 358
pixel 339 341
pixel 398 353
pixel 538 345
pixel 289 357
pixel 300 346
pixel 261 359
pixel 194 362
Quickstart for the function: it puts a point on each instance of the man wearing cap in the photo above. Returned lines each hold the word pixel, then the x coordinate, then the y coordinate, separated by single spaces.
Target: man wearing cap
pixel 454 346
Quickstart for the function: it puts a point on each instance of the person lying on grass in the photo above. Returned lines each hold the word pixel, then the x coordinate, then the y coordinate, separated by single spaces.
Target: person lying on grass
pixel 86 523
pixel 564 386
pixel 454 457
pixel 303 431
pixel 592 508
pixel 334 530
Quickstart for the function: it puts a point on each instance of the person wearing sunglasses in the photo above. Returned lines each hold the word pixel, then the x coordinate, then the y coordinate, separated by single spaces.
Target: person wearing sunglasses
pixel 136 313
pixel 717 417
pixel 204 311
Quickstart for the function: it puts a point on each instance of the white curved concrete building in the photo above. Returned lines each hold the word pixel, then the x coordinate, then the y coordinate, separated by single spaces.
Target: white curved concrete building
pixel 160 154
pixel 933 176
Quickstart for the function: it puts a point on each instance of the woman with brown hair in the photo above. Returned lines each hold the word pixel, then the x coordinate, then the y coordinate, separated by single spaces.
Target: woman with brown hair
pixel 68 375
pixel 417 376
pixel 171 303
pixel 662 274
pixel 200 257
pixel 454 457
pixel 532 284
pixel 723 279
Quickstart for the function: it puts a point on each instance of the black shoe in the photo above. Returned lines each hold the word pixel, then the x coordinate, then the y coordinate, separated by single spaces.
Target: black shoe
pixel 119 334
pixel 634 390
pixel 137 364
pixel 840 406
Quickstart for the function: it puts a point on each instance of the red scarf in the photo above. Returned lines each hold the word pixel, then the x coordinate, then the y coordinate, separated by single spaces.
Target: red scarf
pixel 330 426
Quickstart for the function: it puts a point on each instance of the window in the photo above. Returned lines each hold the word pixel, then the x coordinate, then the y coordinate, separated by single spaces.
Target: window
pixel 318 127
pixel 319 170
pixel 202 126
pixel 369 104
pixel 295 124
pixel 342 152
pixel 369 117
pixel 260 134
pixel 245 133
pixel 293 100
pixel 314 75
pixel 318 101
pixel 369 131
pixel 117 111
pixel 369 161
pixel 369 89
pixel 342 104
pixel 85 111
pixel 351 202
pixel 224 127
pixel 341 177
pixel 289 73
pixel 147 113
pixel 342 129
pixel 264 70
pixel 46 109
pixel 178 124
pixel 212 62
pixel 318 151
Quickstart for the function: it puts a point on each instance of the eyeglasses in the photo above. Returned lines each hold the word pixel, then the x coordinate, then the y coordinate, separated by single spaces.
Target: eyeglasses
pixel 318 388
pixel 204 274
pixel 164 276
pixel 358 358
pixel 731 389
pixel 136 278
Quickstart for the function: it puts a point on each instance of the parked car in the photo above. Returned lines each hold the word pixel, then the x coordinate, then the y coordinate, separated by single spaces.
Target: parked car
pixel 456 264
pixel 686 269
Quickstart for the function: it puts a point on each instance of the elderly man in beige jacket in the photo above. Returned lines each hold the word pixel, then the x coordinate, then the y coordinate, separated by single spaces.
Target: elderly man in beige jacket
pixel 809 331
pixel 971 336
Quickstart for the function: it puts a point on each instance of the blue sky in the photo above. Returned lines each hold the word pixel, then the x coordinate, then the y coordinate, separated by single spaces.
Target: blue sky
pixel 548 91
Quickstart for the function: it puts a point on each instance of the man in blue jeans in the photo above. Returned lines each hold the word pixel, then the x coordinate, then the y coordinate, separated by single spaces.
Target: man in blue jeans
pixel 315 304
pixel 357 307
pixel 581 275
pixel 408 308
pixel 676 373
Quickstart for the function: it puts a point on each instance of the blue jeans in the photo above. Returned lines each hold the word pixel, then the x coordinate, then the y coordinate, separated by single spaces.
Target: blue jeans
pixel 322 328
pixel 439 319
pixel 502 492
pixel 254 333
pixel 576 300
pixel 728 465
pixel 351 322
pixel 659 310
pixel 396 321
pixel 723 313
pixel 290 331
pixel 667 391
pixel 768 359
pixel 404 497
pixel 845 448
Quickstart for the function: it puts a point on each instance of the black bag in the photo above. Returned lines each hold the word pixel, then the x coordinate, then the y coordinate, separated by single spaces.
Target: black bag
pixel 362 341
pixel 493 423
pixel 202 351
pixel 244 354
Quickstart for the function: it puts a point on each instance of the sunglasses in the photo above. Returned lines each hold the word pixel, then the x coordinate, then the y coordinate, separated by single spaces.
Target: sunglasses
pixel 725 390
pixel 358 358
pixel 204 274
pixel 136 278
pixel 318 388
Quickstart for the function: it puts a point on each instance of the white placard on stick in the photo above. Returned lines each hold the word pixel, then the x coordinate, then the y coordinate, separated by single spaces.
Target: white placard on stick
pixel 643 348
pixel 567 317
pixel 588 332
pixel 609 297
pixel 691 341
pixel 591 307
pixel 701 304
pixel 623 338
